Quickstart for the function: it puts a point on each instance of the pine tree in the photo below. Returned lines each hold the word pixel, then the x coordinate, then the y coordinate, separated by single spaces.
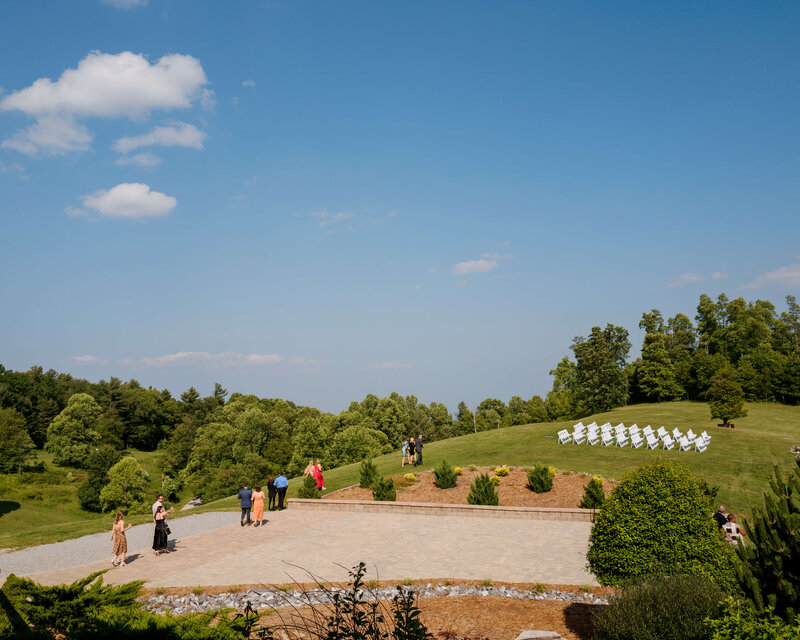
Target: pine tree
pixel 383 490
pixel 309 488
pixel 482 491
pixel 445 476
pixel 369 473
pixel 769 574
pixel 593 496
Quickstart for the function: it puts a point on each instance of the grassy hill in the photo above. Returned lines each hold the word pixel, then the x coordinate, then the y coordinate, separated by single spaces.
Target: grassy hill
pixel 738 460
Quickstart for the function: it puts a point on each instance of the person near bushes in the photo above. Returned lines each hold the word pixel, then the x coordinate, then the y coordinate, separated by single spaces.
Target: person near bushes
pixel 161 532
pixel 404 452
pixel 281 483
pixel 418 449
pixel 411 450
pixel 258 505
pixel 318 475
pixel 721 516
pixel 309 470
pixel 119 538
pixel 734 534
pixel 271 493
pixel 245 502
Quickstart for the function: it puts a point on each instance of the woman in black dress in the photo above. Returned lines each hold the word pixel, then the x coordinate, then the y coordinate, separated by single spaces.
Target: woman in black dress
pixel 160 535
pixel 271 493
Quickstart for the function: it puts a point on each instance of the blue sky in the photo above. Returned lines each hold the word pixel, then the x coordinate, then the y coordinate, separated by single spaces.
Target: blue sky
pixel 319 200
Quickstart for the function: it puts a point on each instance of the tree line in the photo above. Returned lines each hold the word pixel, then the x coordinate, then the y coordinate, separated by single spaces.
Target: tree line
pixel 211 444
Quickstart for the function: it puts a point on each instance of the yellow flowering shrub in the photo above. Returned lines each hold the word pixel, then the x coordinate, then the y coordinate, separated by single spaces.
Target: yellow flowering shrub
pixel 502 471
pixel 458 470
pixel 552 470
pixel 410 477
pixel 495 480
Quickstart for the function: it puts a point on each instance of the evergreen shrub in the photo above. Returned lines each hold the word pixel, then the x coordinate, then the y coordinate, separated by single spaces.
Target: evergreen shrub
pixel 660 607
pixel 738 621
pixel 769 572
pixel 444 475
pixel 658 521
pixel 593 496
pixel 383 490
pixel 540 479
pixel 482 491
pixel 369 473
pixel 309 488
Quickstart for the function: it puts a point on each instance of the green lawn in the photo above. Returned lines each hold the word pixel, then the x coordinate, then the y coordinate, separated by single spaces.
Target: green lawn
pixel 738 460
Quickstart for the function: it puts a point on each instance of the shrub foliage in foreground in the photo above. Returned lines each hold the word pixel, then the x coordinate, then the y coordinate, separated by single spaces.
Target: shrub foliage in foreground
pixel 482 491
pixel 593 496
pixel 309 488
pixel 769 573
pixel 663 607
pixel 369 473
pixel 540 478
pixel 445 476
pixel 738 621
pixel 383 490
pixel 658 521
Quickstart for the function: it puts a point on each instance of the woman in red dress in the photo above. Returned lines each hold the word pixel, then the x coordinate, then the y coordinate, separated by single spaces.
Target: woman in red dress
pixel 318 475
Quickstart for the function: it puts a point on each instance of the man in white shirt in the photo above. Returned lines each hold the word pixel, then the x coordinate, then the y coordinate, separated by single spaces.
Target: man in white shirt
pixel 158 503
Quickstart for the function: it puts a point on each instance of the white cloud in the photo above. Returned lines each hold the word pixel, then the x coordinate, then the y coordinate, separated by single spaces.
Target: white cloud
pixel 87 359
pixel 15 168
pixel 474 266
pixel 125 4
pixel 193 358
pixel 495 256
pixel 208 100
pixel 102 85
pixel 139 160
pixel 326 218
pixel 390 366
pixel 130 200
pixel 248 84
pixel 76 212
pixel 788 277
pixel 687 278
pixel 719 276
pixel 179 134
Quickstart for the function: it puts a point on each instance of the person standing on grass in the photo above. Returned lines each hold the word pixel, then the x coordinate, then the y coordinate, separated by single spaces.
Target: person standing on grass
pixel 281 483
pixel 734 534
pixel 721 517
pixel 258 505
pixel 271 493
pixel 318 475
pixel 309 470
pixel 245 502
pixel 404 452
pixel 418 448
pixel 119 538
pixel 412 456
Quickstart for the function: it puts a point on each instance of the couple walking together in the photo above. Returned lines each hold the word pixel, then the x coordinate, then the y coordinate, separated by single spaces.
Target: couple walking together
pixel 411 450
pixel 315 469
pixel 250 500
pixel 160 533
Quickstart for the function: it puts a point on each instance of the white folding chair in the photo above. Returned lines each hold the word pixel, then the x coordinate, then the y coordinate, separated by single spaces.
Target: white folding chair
pixel 691 435
pixel 700 444
pixel 592 438
pixel 607 439
pixel 676 434
pixel 636 441
pixel 669 443
pixel 579 437
pixel 633 426
pixel 578 426
pixel 633 431
pixel 647 431
pixel 652 441
pixel 607 425
pixel 622 440
pixel 705 437
pixel 564 436
pixel 684 444
pixel 591 426
pixel 662 432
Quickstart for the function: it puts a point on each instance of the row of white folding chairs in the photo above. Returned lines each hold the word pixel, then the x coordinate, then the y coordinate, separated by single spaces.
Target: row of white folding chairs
pixel 592 435
pixel 634 429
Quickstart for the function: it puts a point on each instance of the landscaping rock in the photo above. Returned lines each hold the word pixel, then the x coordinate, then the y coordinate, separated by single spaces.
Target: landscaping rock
pixel 532 634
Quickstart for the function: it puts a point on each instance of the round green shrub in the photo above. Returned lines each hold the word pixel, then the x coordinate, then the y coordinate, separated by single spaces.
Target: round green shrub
pixel 482 491
pixel 593 496
pixel 540 479
pixel 383 490
pixel 309 488
pixel 665 607
pixel 369 473
pixel 658 521
pixel 444 475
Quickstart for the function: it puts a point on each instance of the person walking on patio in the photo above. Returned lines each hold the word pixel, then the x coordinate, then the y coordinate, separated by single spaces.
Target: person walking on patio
pixel 245 502
pixel 271 493
pixel 258 505
pixel 281 483
pixel 161 532
pixel 120 539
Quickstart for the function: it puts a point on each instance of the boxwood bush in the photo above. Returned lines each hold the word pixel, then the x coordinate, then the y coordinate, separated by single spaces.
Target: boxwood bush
pixel 658 521
pixel 659 608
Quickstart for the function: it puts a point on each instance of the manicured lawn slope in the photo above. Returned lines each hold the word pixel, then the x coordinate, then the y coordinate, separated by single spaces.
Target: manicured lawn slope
pixel 738 460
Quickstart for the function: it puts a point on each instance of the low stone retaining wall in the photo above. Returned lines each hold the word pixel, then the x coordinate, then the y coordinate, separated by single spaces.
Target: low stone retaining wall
pixel 435 509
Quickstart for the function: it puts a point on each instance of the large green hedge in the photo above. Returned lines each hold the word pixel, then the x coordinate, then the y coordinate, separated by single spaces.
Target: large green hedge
pixel 658 521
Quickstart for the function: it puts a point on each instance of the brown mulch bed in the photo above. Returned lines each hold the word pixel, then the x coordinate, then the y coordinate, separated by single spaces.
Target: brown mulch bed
pixel 513 489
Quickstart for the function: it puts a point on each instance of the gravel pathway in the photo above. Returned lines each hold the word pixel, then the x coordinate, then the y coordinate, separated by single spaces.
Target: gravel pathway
pixel 97 546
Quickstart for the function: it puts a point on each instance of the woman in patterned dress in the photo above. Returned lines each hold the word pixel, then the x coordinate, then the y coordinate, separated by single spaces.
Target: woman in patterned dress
pixel 119 538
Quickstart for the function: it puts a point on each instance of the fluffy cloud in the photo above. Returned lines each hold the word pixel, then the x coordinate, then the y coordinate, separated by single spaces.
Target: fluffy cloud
pixel 180 134
pixel 14 169
pixel 788 277
pixel 719 276
pixel 88 359
pixel 687 278
pixel 473 266
pixel 103 85
pixel 326 218
pixel 390 366
pixel 192 358
pixel 248 84
pixel 125 4
pixel 129 200
pixel 139 160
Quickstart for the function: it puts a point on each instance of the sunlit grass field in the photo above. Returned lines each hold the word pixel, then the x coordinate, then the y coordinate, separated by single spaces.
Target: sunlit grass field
pixel 738 460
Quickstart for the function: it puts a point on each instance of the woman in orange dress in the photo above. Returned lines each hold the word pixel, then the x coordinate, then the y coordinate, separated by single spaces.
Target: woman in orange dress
pixel 258 505
pixel 119 538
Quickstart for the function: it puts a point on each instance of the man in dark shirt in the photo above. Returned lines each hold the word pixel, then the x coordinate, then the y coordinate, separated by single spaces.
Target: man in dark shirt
pixel 418 448
pixel 245 501
pixel 721 517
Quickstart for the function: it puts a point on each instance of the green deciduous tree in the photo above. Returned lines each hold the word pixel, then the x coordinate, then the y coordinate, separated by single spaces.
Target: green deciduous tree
pixel 126 488
pixel 16 445
pixel 356 443
pixel 600 380
pixel 725 397
pixel 72 434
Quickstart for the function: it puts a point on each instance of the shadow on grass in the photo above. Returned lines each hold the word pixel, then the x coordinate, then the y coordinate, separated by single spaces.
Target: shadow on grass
pixel 7 506
pixel 579 619
pixel 16 620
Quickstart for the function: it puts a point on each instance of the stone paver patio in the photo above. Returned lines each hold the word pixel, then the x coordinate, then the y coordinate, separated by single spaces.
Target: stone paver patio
pixel 394 546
